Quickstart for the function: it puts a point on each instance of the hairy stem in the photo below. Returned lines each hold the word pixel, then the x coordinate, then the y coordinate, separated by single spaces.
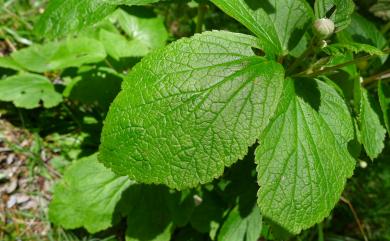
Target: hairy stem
pixel 355 216
pixel 200 18
pixel 338 66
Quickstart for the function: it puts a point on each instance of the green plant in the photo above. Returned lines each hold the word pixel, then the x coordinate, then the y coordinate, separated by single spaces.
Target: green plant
pixel 280 117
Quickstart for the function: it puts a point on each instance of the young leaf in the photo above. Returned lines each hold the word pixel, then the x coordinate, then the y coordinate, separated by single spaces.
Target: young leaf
pixel 372 132
pixel 60 55
pixel 384 100
pixel 189 110
pixel 245 227
pixel 303 159
pixel 344 48
pixel 340 11
pixel 279 24
pixel 27 90
pixel 64 17
pixel 145 34
pixel 362 31
pixel 87 196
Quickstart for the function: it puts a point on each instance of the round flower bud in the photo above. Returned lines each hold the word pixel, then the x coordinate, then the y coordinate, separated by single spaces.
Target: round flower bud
pixel 323 28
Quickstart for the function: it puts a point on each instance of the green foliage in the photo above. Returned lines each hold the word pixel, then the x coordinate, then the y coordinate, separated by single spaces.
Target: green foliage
pixel 384 100
pixel 303 160
pixel 238 226
pixel 279 24
pixel 64 17
pixel 372 131
pixel 59 55
pixel 339 11
pixel 219 136
pixel 87 196
pixel 207 125
pixel 27 90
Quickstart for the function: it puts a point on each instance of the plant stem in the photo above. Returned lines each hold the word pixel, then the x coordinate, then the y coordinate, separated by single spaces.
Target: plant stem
pixel 355 216
pixel 338 66
pixel 382 75
pixel 303 56
pixel 200 18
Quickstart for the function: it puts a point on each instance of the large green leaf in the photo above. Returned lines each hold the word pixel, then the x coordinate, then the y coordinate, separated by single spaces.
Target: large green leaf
pixel 58 55
pixel 189 110
pixel 279 24
pixel 342 11
pixel 27 90
pixel 87 196
pixel 372 132
pixel 303 159
pixel 245 227
pixel 63 17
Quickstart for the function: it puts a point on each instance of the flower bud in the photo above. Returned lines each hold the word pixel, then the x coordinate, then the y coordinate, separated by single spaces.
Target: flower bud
pixel 323 28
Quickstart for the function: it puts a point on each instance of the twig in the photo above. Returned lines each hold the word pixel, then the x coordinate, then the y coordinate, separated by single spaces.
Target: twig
pixel 346 201
pixel 338 66
pixel 382 75
pixel 200 18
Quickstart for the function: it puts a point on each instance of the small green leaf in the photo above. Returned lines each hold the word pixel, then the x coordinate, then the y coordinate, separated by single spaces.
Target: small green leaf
pixel 117 46
pixel 279 24
pixel 362 31
pixel 27 90
pixel 189 110
pixel 87 196
pixel 238 226
pixel 372 132
pixel 150 32
pixel 152 212
pixel 143 35
pixel 344 48
pixel 303 159
pixel 94 86
pixel 64 17
pixel 59 55
pixel 342 11
pixel 384 100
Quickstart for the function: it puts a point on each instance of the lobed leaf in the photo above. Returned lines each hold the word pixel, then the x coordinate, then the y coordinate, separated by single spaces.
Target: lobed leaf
pixel 86 196
pixel 189 110
pixel 59 55
pixel 28 90
pixel 303 159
